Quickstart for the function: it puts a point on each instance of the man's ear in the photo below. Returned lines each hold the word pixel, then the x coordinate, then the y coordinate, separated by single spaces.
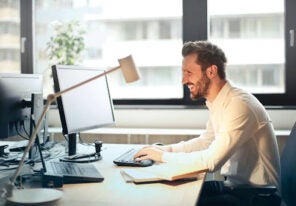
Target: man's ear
pixel 212 71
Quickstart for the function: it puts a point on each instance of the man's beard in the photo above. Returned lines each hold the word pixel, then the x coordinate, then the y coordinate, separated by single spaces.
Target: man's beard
pixel 203 86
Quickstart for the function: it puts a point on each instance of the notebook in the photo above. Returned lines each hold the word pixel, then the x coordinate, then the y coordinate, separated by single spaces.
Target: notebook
pixel 162 172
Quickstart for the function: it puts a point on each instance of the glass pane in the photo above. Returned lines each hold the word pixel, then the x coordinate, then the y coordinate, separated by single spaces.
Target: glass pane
pixel 111 32
pixel 252 36
pixel 10 36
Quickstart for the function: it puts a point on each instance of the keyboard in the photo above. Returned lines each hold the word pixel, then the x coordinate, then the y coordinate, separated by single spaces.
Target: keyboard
pixel 127 159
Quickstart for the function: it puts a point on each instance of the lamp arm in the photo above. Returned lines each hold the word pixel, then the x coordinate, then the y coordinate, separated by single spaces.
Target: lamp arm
pixel 50 99
pixel 10 186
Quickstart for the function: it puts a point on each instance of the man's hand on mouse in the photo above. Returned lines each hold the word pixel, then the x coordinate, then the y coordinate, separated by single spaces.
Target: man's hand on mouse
pixel 151 152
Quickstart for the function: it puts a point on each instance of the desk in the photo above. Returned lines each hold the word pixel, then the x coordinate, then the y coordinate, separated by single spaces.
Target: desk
pixel 115 191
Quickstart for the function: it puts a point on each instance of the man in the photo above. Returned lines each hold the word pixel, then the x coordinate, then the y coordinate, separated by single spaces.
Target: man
pixel 239 138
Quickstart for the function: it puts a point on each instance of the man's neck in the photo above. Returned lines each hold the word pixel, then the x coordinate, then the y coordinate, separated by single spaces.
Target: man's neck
pixel 215 88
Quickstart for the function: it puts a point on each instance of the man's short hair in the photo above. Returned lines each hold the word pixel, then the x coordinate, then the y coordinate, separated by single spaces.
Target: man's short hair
pixel 207 54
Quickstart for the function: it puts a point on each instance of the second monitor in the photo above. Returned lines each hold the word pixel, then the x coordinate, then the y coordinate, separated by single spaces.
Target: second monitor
pixel 87 107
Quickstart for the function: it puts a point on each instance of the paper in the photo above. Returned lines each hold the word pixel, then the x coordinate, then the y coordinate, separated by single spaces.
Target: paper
pixel 127 178
pixel 134 175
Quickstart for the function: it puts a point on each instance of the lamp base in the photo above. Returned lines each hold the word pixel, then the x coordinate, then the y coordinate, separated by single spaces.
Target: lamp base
pixel 34 196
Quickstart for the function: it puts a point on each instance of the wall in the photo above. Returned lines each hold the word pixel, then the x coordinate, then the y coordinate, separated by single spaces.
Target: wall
pixel 168 119
pixel 177 118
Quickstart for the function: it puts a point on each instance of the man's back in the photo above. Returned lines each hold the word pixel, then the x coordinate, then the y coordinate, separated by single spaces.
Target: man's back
pixel 256 156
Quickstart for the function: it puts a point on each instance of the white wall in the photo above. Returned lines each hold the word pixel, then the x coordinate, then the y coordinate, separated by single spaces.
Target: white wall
pixel 176 118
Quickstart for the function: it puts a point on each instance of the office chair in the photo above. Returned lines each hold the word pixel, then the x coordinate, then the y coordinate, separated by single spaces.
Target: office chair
pixel 267 195
pixel 288 167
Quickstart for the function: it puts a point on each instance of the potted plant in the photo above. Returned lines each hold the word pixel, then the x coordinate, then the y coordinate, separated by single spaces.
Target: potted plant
pixel 67 43
pixel 65 47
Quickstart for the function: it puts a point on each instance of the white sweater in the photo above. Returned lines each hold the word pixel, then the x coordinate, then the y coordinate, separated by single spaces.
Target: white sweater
pixel 239 139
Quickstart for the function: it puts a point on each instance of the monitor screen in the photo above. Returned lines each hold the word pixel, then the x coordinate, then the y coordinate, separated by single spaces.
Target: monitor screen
pixel 86 107
pixel 15 103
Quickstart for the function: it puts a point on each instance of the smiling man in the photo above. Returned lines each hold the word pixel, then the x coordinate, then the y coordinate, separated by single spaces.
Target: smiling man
pixel 239 138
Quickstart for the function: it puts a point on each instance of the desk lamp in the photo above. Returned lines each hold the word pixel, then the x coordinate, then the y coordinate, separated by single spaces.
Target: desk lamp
pixel 130 73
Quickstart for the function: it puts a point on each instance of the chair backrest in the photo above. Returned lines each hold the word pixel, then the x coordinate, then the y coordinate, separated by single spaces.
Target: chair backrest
pixel 288 169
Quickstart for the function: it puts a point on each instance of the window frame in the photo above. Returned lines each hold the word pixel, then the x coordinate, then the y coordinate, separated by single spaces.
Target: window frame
pixel 195 25
pixel 26 38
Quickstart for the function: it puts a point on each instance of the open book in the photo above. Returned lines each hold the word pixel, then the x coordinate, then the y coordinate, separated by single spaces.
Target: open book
pixel 161 172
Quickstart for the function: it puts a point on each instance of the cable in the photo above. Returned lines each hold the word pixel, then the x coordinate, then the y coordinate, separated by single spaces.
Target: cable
pixel 25 130
pixel 9 168
pixel 80 139
pixel 65 138
pixel 18 132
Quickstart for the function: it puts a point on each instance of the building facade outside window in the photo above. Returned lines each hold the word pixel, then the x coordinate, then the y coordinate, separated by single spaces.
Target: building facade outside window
pixel 251 34
pixel 10 36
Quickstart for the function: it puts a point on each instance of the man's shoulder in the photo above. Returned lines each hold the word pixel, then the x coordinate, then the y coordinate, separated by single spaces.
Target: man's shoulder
pixel 239 97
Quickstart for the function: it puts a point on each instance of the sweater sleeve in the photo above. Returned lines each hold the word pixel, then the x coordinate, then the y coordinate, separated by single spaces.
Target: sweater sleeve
pixel 198 143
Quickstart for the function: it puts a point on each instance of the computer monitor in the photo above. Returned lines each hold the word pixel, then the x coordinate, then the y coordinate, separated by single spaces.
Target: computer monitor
pixel 20 98
pixel 87 107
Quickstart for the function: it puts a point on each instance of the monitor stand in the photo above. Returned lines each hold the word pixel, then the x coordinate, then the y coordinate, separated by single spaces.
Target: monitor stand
pixel 80 158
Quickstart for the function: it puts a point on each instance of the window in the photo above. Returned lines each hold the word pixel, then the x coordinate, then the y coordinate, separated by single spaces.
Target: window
pixel 153 38
pixel 250 38
pixel 257 37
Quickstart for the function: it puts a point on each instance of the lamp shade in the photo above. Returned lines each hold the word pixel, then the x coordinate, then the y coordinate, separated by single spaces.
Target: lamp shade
pixel 129 69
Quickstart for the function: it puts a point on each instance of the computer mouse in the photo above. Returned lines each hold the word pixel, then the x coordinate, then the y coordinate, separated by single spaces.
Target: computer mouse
pixel 158 144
